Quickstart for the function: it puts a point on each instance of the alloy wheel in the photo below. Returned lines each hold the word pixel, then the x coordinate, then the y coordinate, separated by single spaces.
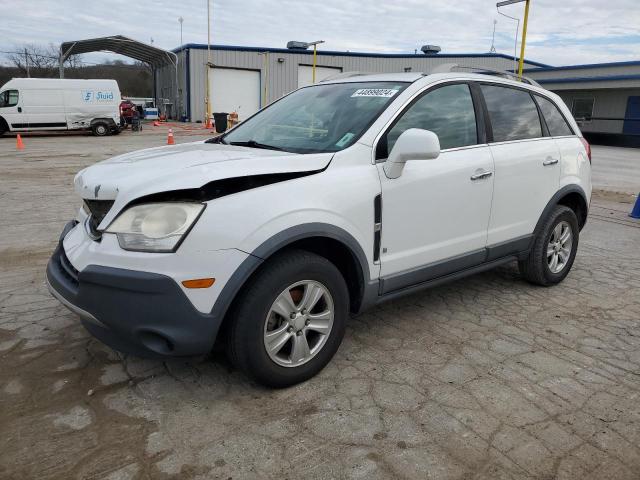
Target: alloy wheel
pixel 298 323
pixel 559 247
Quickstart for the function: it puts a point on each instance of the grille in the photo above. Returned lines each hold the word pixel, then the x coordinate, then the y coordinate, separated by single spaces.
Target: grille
pixel 98 210
pixel 67 269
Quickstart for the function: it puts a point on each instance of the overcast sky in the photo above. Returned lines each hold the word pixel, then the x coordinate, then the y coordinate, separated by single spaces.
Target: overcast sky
pixel 561 32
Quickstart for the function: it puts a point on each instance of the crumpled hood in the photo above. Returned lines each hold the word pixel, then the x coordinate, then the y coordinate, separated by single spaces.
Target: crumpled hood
pixel 192 165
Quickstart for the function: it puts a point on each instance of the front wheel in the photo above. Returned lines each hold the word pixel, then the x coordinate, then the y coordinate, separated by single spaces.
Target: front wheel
pixel 289 320
pixel 554 249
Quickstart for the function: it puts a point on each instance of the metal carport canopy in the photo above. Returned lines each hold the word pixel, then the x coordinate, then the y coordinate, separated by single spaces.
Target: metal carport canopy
pixel 156 57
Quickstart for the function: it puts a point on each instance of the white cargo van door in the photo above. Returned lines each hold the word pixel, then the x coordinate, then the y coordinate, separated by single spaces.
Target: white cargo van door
pixel 235 90
pixel 45 109
pixel 11 110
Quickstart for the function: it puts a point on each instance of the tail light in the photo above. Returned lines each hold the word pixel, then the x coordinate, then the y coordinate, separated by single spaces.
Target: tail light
pixel 587 147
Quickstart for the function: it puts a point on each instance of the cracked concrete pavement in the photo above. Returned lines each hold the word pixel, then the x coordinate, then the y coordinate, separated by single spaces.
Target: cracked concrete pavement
pixel 485 378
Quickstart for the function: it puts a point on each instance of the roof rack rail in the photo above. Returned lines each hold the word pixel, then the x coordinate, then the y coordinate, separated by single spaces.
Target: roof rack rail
pixel 341 75
pixel 450 67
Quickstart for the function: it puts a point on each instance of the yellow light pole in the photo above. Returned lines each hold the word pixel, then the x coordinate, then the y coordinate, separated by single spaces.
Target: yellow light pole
pixel 315 58
pixel 524 37
pixel 524 30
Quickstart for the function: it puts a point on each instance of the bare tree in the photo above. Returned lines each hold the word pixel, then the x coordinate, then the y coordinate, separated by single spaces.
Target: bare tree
pixel 40 61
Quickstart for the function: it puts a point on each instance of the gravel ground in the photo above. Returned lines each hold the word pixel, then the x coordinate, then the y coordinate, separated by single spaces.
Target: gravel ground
pixel 485 378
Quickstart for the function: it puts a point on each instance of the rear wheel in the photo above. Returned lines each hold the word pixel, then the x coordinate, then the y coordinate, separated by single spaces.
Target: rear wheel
pixel 289 320
pixel 554 249
pixel 100 129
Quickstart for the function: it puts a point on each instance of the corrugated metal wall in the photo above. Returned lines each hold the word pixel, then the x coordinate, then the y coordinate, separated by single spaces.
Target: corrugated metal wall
pixel 283 75
pixel 607 104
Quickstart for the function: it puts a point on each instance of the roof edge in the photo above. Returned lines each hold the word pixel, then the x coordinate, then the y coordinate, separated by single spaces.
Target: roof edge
pixel 602 78
pixel 200 46
pixel 586 65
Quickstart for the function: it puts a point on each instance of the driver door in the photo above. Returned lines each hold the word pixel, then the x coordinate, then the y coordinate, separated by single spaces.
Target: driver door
pixel 435 216
pixel 11 110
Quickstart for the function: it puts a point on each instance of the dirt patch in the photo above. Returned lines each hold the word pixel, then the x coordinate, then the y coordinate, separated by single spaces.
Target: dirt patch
pixel 610 196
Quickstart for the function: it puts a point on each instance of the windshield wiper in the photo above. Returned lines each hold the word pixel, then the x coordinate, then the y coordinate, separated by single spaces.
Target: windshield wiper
pixel 254 144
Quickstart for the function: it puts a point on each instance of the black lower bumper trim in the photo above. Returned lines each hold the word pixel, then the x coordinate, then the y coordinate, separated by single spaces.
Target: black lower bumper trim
pixel 145 314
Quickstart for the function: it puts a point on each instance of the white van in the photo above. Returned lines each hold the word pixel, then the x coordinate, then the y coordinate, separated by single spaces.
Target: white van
pixel 35 104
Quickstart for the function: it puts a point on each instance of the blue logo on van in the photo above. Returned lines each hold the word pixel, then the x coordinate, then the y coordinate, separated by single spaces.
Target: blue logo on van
pixel 99 96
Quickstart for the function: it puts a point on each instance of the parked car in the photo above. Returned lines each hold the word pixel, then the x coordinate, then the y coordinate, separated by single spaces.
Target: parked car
pixel 37 104
pixel 333 199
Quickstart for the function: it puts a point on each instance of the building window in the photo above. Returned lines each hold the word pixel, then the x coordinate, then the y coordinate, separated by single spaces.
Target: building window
pixel 582 109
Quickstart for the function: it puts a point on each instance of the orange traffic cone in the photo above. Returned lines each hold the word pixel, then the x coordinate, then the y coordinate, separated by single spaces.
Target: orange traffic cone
pixel 19 144
pixel 208 124
pixel 170 140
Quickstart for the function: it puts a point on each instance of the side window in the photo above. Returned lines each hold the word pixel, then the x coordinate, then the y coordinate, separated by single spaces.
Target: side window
pixel 582 109
pixel 513 114
pixel 9 98
pixel 447 111
pixel 556 123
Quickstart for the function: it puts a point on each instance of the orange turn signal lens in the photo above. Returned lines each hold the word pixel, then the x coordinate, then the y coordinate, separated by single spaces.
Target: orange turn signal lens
pixel 199 283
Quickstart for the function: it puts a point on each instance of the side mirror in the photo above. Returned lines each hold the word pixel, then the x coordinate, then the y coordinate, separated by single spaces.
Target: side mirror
pixel 412 144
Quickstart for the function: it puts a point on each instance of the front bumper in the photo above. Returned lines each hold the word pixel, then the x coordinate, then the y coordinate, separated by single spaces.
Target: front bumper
pixel 142 313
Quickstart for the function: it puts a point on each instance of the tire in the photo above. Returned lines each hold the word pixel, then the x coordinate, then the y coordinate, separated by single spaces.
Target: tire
pixel 539 268
pixel 100 129
pixel 254 317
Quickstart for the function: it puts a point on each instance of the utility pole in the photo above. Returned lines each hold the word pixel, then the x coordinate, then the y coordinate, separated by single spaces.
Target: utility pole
pixel 207 100
pixel 26 62
pixel 493 38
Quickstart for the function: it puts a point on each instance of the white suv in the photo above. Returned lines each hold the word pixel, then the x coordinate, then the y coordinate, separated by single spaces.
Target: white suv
pixel 333 199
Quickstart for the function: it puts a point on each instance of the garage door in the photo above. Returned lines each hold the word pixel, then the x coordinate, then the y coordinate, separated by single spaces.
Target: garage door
pixel 234 90
pixel 305 74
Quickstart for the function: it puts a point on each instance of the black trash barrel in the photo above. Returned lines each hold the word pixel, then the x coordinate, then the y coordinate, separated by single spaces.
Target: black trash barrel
pixel 220 119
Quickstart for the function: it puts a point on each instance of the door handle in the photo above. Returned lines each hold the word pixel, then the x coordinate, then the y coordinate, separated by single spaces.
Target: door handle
pixel 480 175
pixel 19 109
pixel 550 161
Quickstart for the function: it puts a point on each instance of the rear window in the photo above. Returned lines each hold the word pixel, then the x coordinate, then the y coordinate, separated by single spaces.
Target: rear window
pixel 513 114
pixel 558 126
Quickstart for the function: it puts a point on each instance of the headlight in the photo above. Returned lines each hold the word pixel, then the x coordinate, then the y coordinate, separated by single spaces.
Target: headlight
pixel 155 227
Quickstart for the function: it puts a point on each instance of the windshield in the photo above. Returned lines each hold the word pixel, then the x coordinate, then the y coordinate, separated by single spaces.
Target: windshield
pixel 321 118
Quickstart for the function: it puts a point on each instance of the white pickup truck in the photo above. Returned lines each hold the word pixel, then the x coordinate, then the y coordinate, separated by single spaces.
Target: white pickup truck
pixel 36 104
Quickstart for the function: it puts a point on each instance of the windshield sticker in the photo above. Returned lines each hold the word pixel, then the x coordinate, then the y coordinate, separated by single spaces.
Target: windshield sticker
pixel 375 92
pixel 344 140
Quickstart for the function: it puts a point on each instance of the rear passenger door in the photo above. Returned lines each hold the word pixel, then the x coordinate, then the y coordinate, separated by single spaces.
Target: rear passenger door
pixel 527 170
